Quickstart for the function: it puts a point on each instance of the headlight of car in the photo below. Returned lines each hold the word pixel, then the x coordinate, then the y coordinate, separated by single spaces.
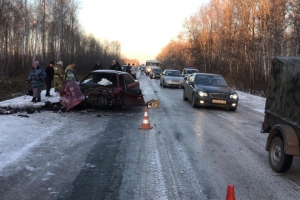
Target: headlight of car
pixel 234 96
pixel 202 94
pixel 181 81
pixel 169 80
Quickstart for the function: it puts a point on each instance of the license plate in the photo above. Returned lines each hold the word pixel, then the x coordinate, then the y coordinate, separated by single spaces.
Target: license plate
pixel 219 101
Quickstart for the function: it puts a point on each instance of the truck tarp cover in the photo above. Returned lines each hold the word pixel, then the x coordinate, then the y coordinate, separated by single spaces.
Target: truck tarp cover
pixel 283 98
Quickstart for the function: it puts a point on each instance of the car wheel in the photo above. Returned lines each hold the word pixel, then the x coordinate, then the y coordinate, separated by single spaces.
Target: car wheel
pixel 279 161
pixel 160 83
pixel 194 101
pixel 184 97
pixel 233 109
pixel 163 84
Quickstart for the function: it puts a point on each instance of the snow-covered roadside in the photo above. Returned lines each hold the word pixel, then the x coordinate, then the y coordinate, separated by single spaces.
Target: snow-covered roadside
pixel 25 101
pixel 253 102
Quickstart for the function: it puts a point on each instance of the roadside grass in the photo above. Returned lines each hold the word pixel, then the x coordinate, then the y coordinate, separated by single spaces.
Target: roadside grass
pixel 13 87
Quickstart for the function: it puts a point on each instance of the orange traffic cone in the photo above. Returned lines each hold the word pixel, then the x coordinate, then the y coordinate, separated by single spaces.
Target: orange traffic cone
pixel 146 124
pixel 230 192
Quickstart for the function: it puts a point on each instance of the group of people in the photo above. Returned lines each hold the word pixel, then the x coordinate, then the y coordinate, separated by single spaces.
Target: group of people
pixel 131 70
pixel 116 66
pixel 37 76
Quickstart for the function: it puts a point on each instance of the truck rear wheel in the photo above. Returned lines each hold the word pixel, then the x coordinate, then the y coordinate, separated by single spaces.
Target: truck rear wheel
pixel 279 161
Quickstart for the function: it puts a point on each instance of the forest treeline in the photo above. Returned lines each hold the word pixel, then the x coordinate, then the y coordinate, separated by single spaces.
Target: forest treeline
pixel 48 30
pixel 238 39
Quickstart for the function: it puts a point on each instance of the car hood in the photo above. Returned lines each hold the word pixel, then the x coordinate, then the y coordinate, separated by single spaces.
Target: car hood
pixel 215 89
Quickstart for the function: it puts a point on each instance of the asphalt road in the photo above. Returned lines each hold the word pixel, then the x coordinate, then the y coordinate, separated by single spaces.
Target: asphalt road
pixel 189 154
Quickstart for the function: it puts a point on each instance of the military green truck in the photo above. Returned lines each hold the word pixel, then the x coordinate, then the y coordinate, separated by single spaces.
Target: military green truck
pixel 282 113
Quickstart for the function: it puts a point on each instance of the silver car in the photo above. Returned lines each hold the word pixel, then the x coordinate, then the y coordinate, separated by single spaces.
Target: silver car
pixel 171 78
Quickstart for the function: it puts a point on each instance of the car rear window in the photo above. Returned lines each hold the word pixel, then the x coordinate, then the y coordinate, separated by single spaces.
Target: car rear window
pixel 190 71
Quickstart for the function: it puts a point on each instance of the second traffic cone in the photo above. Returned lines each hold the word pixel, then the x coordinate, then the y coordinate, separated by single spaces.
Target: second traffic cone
pixel 145 124
pixel 230 192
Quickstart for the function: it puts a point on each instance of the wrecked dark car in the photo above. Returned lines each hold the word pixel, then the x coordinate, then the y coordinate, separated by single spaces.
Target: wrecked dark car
pixel 103 89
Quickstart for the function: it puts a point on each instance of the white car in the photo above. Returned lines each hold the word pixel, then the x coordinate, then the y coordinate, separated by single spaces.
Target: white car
pixel 171 78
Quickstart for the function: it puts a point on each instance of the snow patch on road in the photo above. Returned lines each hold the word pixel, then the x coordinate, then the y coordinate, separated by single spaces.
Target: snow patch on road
pixel 20 135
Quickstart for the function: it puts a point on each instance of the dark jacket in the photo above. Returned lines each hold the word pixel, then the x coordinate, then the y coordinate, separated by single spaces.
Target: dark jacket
pixel 37 77
pixel 116 67
pixel 128 69
pixel 96 67
pixel 50 73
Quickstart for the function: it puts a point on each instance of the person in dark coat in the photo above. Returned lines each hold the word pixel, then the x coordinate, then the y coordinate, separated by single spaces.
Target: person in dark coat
pixel 50 75
pixel 97 66
pixel 115 66
pixel 119 68
pixel 37 76
pixel 128 68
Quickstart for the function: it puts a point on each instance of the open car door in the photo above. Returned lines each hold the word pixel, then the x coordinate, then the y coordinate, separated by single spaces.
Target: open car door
pixel 131 94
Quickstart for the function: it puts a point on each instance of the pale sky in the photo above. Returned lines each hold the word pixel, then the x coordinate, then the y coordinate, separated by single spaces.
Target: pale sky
pixel 143 27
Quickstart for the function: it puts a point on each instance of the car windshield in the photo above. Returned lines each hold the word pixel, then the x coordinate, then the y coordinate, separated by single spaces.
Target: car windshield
pixel 101 79
pixel 152 64
pixel 172 73
pixel 210 80
pixel 190 71
pixel 156 70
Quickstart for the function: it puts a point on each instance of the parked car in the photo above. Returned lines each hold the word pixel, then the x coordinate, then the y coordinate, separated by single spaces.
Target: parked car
pixel 107 88
pixel 205 89
pixel 188 71
pixel 155 73
pixel 171 78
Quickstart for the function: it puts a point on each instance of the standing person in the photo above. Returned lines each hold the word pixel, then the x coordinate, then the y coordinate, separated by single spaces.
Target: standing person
pixel 133 71
pixel 119 68
pixel 71 66
pixel 97 66
pixel 70 74
pixel 115 66
pixel 58 76
pixel 128 68
pixel 37 76
pixel 50 75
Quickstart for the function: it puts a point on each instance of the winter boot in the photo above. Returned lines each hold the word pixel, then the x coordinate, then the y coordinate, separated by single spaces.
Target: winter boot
pixel 33 99
pixel 38 99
